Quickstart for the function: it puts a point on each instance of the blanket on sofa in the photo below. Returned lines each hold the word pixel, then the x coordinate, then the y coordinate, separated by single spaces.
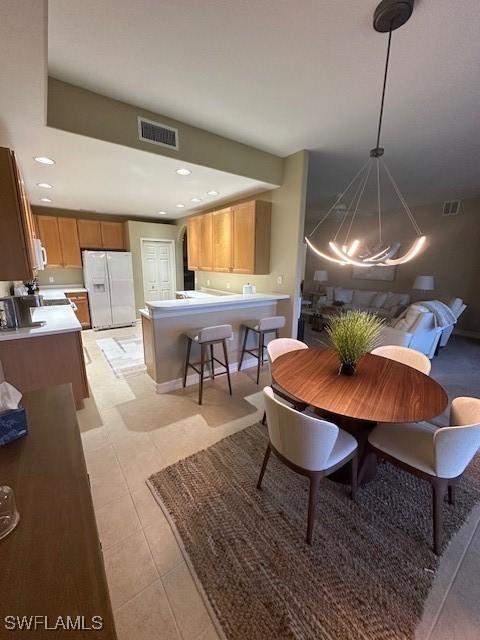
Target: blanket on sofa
pixel 443 315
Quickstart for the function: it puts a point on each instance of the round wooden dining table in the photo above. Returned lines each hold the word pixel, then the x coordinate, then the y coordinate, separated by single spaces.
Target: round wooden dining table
pixel 381 390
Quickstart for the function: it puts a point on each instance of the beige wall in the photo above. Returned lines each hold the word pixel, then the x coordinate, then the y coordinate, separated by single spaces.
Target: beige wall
pixel 90 114
pixel 288 214
pixel 452 256
pixel 138 230
pixel 60 276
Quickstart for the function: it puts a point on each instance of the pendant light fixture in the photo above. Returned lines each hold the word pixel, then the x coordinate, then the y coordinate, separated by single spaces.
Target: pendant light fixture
pixel 342 249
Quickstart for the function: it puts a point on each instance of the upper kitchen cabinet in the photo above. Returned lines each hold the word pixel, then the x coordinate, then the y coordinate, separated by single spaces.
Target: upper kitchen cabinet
pixel 205 258
pixel 112 235
pixel 98 234
pixel 89 234
pixel 17 255
pixel 49 235
pixel 193 242
pixel 69 242
pixel 251 222
pixel 222 240
pixel 59 238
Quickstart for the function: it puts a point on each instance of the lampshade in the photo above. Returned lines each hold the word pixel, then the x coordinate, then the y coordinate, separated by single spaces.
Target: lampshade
pixel 320 276
pixel 424 283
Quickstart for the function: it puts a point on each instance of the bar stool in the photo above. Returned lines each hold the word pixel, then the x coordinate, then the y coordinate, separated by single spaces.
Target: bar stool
pixel 260 327
pixel 207 337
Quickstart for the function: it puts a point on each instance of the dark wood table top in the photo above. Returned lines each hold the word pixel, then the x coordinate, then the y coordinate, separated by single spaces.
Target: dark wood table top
pixel 51 564
pixel 382 390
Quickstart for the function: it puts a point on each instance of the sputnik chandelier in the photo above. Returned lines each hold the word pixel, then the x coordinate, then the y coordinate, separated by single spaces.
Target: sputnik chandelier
pixel 389 15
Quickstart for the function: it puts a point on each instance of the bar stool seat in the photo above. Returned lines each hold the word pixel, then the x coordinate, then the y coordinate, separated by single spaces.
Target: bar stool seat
pixel 260 327
pixel 208 337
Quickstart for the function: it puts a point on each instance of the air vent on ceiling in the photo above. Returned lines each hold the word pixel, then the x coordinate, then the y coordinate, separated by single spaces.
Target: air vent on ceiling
pixel 451 207
pixel 157 133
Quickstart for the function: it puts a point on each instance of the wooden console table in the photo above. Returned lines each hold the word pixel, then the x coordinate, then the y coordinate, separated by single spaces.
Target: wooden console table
pixel 52 563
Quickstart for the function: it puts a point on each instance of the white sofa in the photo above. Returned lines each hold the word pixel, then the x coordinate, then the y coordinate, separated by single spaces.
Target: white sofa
pixel 382 303
pixel 416 329
pixel 458 307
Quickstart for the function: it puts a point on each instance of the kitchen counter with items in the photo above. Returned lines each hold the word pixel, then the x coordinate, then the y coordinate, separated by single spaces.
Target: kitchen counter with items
pixel 57 319
pixel 59 293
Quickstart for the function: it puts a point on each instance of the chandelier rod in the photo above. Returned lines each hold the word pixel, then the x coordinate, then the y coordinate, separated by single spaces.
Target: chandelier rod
pixel 349 208
pixel 358 201
pixel 384 86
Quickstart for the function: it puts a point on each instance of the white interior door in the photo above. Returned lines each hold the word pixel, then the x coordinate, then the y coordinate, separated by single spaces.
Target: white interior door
pixel 158 262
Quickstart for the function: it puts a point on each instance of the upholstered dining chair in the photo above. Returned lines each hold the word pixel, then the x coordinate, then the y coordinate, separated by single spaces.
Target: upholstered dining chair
pixel 408 356
pixel 275 349
pixel 312 447
pixel 439 455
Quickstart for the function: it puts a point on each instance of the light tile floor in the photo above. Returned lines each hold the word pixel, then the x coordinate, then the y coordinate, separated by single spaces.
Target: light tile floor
pixel 128 433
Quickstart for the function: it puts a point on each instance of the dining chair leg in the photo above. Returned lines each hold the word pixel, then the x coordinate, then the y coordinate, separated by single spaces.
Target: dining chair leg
pixel 264 466
pixel 312 503
pixel 260 352
pixel 227 366
pixel 264 419
pixel 187 360
pixel 451 494
pixel 244 344
pixel 438 491
pixel 354 476
pixel 202 368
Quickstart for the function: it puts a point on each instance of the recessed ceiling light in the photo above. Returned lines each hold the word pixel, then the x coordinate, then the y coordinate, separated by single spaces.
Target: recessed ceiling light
pixel 180 205
pixel 44 185
pixel 162 213
pixel 183 172
pixel 196 199
pixel 212 193
pixel 45 199
pixel 44 160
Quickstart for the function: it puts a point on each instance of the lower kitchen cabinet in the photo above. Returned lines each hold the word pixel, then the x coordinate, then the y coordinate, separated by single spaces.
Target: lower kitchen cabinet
pixel 82 312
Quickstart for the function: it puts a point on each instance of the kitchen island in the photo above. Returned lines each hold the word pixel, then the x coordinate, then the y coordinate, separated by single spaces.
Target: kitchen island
pixel 165 322
pixel 42 356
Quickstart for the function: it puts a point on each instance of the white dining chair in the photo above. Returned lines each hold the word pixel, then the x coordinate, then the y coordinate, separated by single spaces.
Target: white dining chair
pixel 312 447
pixel 275 349
pixel 439 455
pixel 405 355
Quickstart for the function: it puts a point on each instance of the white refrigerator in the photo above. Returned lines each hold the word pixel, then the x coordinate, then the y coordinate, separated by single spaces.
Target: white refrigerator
pixel 108 279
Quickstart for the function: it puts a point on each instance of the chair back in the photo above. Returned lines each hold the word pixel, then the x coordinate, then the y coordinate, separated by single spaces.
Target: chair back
pixel 303 440
pixel 405 355
pixel 279 346
pixel 455 446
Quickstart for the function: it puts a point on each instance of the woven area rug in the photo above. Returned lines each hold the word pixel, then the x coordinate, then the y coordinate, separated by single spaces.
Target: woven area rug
pixel 366 576
pixel 124 355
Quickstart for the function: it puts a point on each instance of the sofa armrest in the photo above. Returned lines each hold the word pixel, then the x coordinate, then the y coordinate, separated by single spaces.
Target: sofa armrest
pixel 392 336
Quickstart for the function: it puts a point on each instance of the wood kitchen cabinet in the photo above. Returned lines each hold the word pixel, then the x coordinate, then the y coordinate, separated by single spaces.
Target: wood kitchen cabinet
pixel 89 234
pixel 205 258
pixel 112 235
pixel 69 242
pixel 17 231
pixel 60 240
pixel 193 242
pixel 251 237
pixel 233 240
pixel 222 240
pixel 49 235
pixel 82 312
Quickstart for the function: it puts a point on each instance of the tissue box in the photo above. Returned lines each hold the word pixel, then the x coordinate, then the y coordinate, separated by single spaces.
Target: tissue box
pixel 13 425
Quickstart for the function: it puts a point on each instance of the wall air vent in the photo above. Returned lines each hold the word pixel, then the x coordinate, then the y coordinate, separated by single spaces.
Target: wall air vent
pixel 451 207
pixel 157 133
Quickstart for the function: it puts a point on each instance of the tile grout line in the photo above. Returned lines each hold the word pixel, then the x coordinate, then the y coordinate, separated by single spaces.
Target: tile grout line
pixel 454 576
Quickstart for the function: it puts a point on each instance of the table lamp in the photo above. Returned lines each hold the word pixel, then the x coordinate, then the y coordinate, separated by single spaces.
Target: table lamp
pixel 424 283
pixel 320 276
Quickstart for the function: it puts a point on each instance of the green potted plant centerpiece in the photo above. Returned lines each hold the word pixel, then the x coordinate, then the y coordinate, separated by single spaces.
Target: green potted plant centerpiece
pixel 353 334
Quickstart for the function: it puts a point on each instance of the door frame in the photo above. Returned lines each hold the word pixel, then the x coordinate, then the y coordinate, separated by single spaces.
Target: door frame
pixel 173 266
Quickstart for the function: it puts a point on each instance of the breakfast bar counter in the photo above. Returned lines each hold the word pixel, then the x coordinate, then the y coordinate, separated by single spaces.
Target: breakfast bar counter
pixel 165 323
